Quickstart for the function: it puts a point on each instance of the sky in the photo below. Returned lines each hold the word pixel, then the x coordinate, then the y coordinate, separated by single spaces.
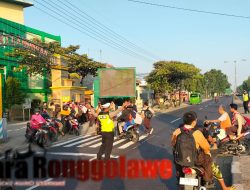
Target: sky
pixel 205 40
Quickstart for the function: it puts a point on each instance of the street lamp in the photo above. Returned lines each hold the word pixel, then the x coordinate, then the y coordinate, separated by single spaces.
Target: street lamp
pixel 235 72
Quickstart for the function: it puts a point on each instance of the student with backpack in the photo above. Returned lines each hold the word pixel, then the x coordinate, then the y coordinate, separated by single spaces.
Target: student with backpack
pixel 147 114
pixel 190 148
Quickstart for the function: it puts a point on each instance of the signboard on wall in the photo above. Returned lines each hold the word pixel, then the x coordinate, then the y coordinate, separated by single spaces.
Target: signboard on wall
pixel 117 82
pixel 27 104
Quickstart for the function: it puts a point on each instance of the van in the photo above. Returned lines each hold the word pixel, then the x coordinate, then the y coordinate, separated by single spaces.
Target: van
pixel 195 98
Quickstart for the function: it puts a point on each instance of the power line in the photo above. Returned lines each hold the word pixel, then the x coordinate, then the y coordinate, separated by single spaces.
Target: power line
pixel 105 28
pixel 24 31
pixel 97 32
pixel 190 10
pixel 97 36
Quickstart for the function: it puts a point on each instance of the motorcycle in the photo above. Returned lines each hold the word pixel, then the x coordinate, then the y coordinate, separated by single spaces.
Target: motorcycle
pixel 74 126
pixel 192 179
pixel 225 144
pixel 131 133
pixel 45 132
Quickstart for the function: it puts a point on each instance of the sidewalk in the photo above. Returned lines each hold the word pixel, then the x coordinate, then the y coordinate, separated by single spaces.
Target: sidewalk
pixel 183 105
pixel 240 165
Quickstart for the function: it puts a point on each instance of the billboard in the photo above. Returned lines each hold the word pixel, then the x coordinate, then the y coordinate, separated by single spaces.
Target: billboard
pixel 117 82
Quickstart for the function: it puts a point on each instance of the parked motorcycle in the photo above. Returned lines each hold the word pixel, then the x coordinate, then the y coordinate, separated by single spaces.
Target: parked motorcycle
pixel 225 145
pixel 131 133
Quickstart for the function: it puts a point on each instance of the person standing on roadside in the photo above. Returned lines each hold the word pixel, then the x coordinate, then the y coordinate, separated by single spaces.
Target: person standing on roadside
pixel 147 114
pixel 245 97
pixel 107 130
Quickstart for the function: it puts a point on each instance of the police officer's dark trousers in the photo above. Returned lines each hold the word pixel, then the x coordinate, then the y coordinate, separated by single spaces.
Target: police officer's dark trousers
pixel 107 145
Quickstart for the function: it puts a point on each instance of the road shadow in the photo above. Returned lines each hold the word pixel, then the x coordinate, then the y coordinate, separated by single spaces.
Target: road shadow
pixel 151 152
pixel 112 184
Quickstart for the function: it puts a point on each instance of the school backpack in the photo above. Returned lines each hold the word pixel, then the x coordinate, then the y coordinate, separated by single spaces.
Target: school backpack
pixel 148 114
pixel 185 152
pixel 247 124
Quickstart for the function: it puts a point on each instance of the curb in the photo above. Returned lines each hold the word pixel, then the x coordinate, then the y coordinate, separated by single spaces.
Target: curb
pixel 177 108
pixel 236 173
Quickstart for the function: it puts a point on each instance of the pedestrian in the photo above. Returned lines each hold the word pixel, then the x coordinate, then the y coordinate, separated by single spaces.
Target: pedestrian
pixel 107 130
pixel 52 107
pixel 112 106
pixel 91 114
pixel 84 113
pixel 147 114
pixel 245 97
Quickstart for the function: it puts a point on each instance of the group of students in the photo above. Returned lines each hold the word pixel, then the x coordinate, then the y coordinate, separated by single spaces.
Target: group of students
pixel 234 128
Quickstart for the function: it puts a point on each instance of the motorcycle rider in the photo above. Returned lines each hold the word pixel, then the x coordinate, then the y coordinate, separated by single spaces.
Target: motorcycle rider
pixel 204 159
pixel 65 114
pixel 224 121
pixel 36 121
pixel 238 123
pixel 127 118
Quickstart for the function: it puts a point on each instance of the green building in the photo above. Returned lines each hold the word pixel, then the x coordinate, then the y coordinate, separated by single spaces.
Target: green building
pixel 13 31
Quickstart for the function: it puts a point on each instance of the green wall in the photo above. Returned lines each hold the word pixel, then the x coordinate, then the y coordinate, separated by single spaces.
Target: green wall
pixel 12 28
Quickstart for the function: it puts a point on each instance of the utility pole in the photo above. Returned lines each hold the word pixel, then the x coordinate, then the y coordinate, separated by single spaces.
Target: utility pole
pixel 100 55
pixel 235 76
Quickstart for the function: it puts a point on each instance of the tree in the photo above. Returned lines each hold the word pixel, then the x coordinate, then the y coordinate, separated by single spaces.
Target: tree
pixel 38 62
pixel 215 82
pixel 171 75
pixel 245 85
pixel 195 84
pixel 14 94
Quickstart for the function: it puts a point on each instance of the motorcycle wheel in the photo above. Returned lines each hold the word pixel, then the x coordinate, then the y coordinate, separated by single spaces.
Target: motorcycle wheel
pixel 245 149
pixel 76 131
pixel 135 136
pixel 53 136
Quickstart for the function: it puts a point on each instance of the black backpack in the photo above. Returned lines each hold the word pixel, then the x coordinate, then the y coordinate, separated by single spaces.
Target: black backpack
pixel 148 114
pixel 185 152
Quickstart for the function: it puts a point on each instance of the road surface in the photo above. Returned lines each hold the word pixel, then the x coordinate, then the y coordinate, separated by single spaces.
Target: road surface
pixel 156 146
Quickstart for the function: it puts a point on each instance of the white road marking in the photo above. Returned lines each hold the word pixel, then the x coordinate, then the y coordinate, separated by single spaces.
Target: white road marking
pixel 82 141
pixel 175 120
pixel 89 143
pixel 99 144
pixel 119 141
pixel 130 142
pixel 35 186
pixel 71 154
pixel 145 141
pixel 111 156
pixel 66 142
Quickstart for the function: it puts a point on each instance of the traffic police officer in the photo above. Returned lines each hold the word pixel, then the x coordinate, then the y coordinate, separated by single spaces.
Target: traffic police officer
pixel 245 101
pixel 107 128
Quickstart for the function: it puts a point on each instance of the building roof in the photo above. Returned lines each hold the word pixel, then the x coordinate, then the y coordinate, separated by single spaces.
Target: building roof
pixel 19 2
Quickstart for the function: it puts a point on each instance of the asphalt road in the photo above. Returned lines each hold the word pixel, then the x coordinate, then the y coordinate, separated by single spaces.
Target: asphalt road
pixel 153 147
